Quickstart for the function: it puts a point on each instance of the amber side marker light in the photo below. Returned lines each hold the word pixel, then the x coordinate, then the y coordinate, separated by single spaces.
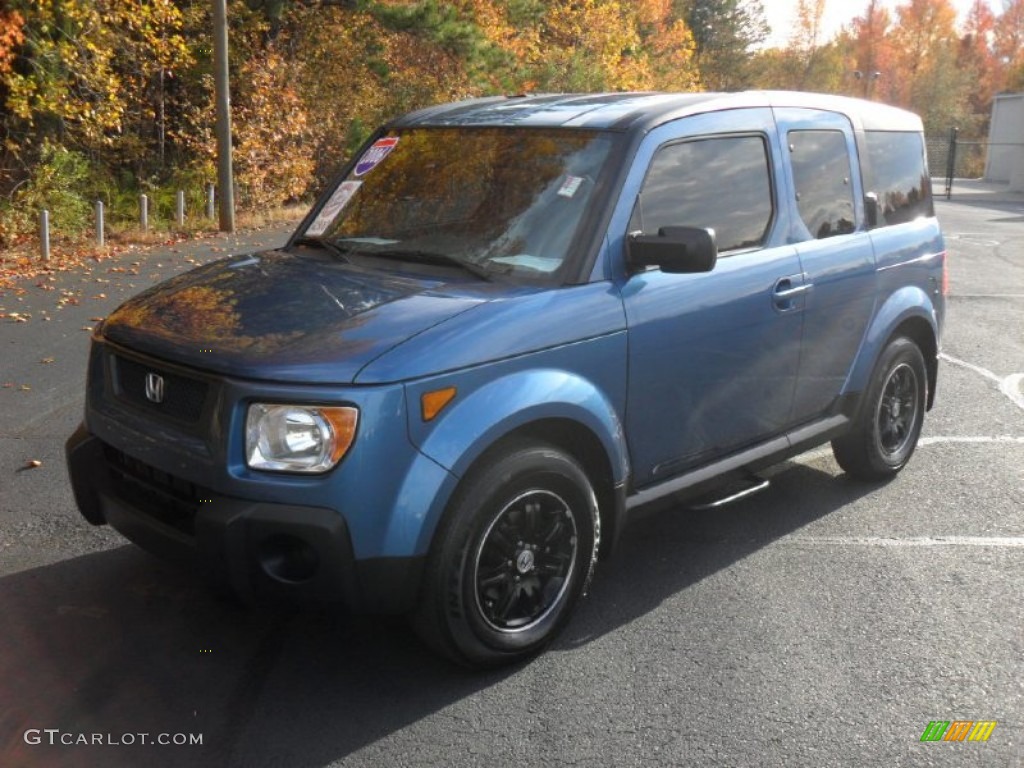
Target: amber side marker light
pixel 432 403
pixel 343 422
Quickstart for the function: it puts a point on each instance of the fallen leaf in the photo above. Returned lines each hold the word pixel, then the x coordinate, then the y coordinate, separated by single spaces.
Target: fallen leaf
pixel 25 388
pixel 47 360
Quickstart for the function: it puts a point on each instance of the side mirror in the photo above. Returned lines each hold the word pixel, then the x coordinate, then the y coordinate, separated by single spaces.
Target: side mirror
pixel 676 250
pixel 871 209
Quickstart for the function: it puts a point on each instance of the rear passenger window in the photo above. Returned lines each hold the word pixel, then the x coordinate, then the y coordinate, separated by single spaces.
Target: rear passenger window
pixel 719 183
pixel 821 172
pixel 897 173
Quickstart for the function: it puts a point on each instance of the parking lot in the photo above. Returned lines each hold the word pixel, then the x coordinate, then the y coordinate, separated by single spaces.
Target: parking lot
pixel 821 623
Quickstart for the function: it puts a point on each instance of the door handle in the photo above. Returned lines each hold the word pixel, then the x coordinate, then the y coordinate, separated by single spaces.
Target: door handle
pixel 787 291
pixel 781 292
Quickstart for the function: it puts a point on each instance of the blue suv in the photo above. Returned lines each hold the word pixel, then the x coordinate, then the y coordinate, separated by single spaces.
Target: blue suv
pixel 509 323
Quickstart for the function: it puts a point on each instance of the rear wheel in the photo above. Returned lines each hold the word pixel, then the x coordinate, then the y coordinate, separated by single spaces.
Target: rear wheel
pixel 511 559
pixel 887 428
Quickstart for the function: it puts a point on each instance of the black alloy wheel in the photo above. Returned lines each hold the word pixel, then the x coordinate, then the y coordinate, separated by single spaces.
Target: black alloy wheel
pixel 523 563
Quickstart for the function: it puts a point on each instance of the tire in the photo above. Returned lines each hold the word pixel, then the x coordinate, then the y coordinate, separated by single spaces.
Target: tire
pixel 888 423
pixel 511 558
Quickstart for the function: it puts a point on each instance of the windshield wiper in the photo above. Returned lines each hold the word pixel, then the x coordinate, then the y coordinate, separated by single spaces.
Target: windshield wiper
pixel 327 245
pixel 433 257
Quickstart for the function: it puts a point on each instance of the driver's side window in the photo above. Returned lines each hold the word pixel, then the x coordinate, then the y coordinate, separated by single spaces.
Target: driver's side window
pixel 721 183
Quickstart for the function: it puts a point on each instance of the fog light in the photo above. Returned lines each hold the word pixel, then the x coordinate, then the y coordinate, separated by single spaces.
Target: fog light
pixel 288 558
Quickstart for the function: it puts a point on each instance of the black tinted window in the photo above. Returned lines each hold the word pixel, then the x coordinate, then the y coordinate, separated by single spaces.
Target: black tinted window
pixel 898 175
pixel 821 172
pixel 721 184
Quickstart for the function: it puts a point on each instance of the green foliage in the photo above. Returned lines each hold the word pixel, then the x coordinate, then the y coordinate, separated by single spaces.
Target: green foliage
pixel 60 183
pixel 440 22
pixel 724 33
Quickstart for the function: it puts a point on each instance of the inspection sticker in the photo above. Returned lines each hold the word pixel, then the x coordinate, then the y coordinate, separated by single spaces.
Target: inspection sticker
pixel 371 157
pixel 570 186
pixel 345 191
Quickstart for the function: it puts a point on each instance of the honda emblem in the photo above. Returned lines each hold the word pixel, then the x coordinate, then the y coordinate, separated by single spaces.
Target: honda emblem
pixel 154 387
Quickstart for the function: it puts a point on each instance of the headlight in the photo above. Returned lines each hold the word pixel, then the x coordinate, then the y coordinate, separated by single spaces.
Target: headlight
pixel 298 438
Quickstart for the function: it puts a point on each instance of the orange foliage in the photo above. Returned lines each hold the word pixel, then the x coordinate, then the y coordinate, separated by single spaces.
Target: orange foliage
pixel 1009 44
pixel 11 36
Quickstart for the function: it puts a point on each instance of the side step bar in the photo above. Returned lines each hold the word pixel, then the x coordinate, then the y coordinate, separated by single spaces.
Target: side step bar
pixel 757 486
pixel 748 461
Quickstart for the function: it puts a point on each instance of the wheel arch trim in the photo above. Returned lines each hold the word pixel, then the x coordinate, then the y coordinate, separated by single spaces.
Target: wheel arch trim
pixel 908 311
pixel 537 403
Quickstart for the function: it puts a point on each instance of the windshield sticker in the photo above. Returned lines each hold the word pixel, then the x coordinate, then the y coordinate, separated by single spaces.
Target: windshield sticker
pixel 345 191
pixel 370 159
pixel 570 186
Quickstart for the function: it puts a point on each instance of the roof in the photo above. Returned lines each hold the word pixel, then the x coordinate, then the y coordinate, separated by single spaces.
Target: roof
pixel 626 111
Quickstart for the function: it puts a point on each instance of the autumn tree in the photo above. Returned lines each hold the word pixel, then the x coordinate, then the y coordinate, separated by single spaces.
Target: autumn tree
pixel 1009 46
pixel 872 53
pixel 925 76
pixel 725 33
pixel 977 56
pixel 808 62
pixel 11 36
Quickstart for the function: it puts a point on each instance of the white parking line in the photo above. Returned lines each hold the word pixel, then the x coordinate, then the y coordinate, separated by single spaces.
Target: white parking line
pixel 820 453
pixel 986 296
pixel 970 439
pixel 911 541
pixel 1008 385
pixel 975 238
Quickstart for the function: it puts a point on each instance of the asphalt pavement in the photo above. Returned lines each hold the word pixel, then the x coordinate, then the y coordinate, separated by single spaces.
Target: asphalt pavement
pixel 821 623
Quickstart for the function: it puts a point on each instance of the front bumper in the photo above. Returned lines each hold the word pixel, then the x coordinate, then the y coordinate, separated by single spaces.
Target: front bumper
pixel 262 551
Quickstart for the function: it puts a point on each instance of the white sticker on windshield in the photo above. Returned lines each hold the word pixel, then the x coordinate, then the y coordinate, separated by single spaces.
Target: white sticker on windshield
pixel 339 200
pixel 570 186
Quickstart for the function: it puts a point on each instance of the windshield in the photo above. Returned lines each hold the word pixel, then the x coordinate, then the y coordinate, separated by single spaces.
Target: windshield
pixel 496 201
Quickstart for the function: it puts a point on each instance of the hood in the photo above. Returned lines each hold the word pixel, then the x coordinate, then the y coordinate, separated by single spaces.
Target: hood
pixel 283 317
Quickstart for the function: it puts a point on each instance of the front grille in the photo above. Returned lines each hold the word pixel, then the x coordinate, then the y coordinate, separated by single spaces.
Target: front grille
pixel 183 397
pixel 160 495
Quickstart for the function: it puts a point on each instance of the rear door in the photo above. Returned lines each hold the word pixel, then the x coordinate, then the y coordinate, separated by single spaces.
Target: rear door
pixel 835 252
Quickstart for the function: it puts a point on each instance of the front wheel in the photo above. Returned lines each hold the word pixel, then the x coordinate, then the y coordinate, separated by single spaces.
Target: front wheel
pixel 887 427
pixel 511 559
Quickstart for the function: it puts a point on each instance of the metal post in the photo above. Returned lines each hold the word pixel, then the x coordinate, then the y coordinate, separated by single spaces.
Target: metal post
pixel 211 194
pixel 144 212
pixel 951 162
pixel 181 208
pixel 44 234
pixel 100 239
pixel 223 103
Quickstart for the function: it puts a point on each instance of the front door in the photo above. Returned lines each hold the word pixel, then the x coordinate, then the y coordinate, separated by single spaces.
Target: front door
pixel 713 357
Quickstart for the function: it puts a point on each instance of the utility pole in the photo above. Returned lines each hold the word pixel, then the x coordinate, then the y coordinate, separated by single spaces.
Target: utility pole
pixel 225 180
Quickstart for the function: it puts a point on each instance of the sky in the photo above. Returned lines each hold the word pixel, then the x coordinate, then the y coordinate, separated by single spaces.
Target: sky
pixel 782 13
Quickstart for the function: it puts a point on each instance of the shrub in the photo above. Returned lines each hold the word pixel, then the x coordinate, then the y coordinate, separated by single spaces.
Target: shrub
pixel 60 183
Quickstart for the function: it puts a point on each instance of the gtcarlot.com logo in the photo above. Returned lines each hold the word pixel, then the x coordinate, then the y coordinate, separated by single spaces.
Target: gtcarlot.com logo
pixel 958 730
pixel 57 737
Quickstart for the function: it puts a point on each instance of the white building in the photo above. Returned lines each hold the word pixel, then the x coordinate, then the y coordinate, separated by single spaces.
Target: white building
pixel 1005 161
